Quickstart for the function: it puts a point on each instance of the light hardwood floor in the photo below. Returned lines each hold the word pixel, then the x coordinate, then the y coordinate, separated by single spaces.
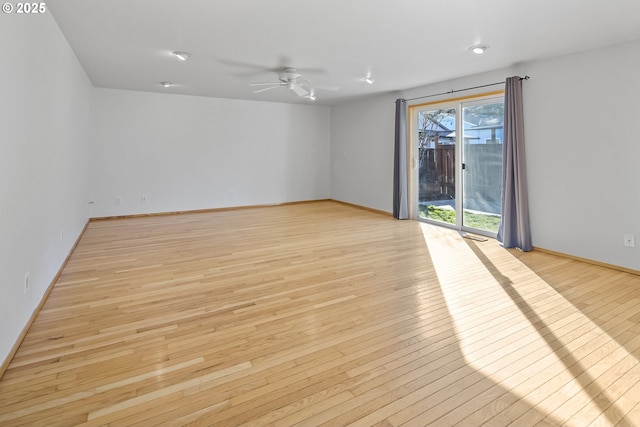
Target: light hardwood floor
pixel 323 314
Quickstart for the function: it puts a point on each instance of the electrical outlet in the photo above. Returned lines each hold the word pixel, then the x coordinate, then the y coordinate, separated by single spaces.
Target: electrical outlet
pixel 118 200
pixel 144 198
pixel 61 238
pixel 629 241
pixel 232 194
pixel 26 282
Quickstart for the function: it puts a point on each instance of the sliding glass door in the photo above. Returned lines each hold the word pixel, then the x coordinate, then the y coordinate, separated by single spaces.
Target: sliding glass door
pixel 437 165
pixel 458 151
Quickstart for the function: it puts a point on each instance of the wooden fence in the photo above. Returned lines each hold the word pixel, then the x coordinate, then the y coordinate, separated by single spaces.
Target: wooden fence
pixel 483 172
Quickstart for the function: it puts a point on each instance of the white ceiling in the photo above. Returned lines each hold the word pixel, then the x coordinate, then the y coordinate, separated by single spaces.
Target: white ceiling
pixel 127 44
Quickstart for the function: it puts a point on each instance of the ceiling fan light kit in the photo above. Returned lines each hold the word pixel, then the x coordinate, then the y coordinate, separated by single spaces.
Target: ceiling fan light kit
pixel 311 96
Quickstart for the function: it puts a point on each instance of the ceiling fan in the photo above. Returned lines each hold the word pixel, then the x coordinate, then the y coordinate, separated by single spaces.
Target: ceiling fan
pixel 287 77
pixel 291 79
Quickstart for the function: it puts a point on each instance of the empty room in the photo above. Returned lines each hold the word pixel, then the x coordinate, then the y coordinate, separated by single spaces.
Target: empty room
pixel 320 212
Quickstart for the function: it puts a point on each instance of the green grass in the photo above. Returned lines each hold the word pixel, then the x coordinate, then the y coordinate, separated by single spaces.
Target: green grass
pixel 437 214
pixel 480 221
pixel 487 222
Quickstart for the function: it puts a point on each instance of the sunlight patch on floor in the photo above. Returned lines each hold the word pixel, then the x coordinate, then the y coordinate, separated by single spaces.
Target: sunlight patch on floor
pixel 530 339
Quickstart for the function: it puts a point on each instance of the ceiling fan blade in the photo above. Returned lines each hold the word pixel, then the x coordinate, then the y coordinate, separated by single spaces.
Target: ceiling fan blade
pixel 257 67
pixel 284 63
pixel 299 90
pixel 312 70
pixel 266 84
pixel 266 89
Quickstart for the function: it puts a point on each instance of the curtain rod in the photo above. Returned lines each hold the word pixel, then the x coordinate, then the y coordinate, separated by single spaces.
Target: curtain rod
pixel 462 90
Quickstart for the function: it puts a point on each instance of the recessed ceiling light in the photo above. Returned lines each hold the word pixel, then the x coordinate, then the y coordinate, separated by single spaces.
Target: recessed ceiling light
pixel 183 56
pixel 368 79
pixel 166 84
pixel 478 49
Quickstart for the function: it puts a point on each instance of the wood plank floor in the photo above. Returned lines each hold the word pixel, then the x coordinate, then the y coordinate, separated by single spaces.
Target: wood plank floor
pixel 323 314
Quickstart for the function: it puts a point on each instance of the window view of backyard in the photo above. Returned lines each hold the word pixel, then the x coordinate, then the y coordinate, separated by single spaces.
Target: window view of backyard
pixel 481 150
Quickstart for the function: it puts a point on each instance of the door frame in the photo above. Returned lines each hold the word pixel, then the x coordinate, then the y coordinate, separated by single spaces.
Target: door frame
pixel 412 149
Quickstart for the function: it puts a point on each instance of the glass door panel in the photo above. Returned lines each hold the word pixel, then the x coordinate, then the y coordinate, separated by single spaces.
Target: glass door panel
pixel 437 165
pixel 482 126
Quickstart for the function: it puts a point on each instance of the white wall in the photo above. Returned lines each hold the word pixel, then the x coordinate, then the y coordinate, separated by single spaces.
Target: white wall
pixel 44 115
pixel 186 152
pixel 362 152
pixel 583 153
pixel 582 136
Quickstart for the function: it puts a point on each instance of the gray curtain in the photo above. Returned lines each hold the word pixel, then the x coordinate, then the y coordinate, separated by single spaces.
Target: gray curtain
pixel 400 178
pixel 514 231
